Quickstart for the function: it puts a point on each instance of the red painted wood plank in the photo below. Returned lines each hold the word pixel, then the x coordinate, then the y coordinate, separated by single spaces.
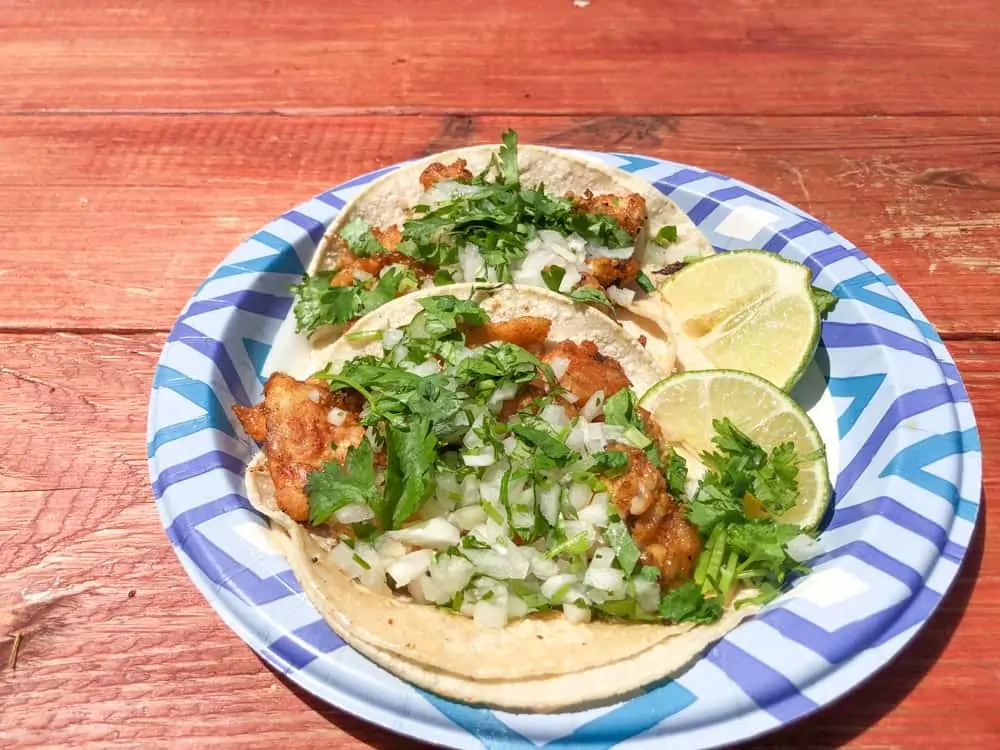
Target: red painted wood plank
pixel 636 56
pixel 114 226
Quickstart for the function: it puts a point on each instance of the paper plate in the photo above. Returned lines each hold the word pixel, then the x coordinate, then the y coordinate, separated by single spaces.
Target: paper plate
pixel 883 390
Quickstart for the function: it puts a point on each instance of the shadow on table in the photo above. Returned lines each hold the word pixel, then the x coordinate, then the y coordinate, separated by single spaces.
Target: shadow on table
pixel 832 727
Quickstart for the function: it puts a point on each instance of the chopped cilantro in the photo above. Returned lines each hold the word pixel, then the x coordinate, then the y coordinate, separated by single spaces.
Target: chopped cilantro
pixel 589 296
pixel 360 238
pixel 687 603
pixel 666 236
pixel 317 303
pixel 610 462
pixel 333 486
pixel 443 277
pixel 553 276
pixel 411 456
pixel 676 473
pixel 620 540
pixel 645 283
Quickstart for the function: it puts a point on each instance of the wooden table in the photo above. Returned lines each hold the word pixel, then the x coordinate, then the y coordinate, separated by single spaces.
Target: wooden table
pixel 141 141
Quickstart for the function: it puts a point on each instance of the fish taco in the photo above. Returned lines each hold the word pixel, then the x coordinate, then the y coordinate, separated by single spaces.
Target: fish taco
pixel 528 215
pixel 472 495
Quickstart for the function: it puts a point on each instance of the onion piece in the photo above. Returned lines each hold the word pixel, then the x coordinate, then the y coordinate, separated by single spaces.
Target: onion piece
pixel 559 366
pixel 391 337
pixel 336 416
pixel 408 567
pixel 594 406
pixel 575 613
pixel 353 513
pixel 490 613
pixel 479 460
pixel 435 533
pixel 557 588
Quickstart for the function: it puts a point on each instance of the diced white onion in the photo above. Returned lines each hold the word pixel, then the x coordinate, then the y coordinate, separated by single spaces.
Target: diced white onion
pixel 575 613
pixel 608 580
pixel 509 444
pixel 594 406
pixel 516 607
pixel 647 594
pixel 575 528
pixel 391 337
pixel 408 567
pixel 435 533
pixel 469 517
pixel 353 513
pixel 555 416
pixel 559 366
pixel 490 614
pixel 501 394
pixel 570 398
pixel 548 503
pixel 360 275
pixel 597 512
pixel 314 396
pixel 446 576
pixel 336 416
pixel 470 489
pixel 343 557
pixel 485 458
pixel 618 253
pixel 471 262
pixel 552 586
pixel 389 549
pixel 541 566
pixel 603 558
pixel 502 562
pixel 430 367
pixel 570 279
pixel 620 296
pixel 580 495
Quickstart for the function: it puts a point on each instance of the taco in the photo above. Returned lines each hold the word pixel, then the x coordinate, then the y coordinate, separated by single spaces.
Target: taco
pixel 471 496
pixel 529 215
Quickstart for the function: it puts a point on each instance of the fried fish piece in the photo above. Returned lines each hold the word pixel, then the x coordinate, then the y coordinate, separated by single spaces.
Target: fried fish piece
pixel 629 210
pixel 294 424
pixel 438 172
pixel 350 266
pixel 605 272
pixel 656 521
pixel 528 332
pixel 587 372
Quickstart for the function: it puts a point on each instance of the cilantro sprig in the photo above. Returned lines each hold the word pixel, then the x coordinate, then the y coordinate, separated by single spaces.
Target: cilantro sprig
pixel 318 304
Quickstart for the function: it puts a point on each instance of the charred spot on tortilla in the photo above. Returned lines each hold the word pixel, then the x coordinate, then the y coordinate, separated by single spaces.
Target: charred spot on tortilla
pixel 672 268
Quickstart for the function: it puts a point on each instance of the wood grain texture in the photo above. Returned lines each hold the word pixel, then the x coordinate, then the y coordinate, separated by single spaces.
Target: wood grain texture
pixel 119 649
pixel 122 218
pixel 630 56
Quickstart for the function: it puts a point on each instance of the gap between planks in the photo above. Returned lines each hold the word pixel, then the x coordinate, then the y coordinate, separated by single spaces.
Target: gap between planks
pixel 425 111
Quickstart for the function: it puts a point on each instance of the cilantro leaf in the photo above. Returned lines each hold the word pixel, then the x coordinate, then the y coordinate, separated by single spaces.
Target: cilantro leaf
pixel 360 238
pixel 444 312
pixel 410 459
pixel 508 160
pixel 645 283
pixel 494 365
pixel 333 486
pixel 317 303
pixel 587 295
pixel 617 535
pixel 686 603
pixel 619 409
pixel 611 462
pixel 551 447
pixel 553 276
pixel 443 277
pixel 676 474
pixel 604 230
pixel 824 301
pixel 666 236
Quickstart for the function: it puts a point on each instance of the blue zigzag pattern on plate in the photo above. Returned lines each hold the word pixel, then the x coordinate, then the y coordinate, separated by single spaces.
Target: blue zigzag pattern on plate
pixel 873 524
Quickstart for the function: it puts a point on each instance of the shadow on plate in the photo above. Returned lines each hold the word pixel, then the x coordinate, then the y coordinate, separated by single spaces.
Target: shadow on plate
pixel 831 727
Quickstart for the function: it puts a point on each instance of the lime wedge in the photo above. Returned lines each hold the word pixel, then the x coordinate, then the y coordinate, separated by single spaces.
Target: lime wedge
pixel 684 406
pixel 746 310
